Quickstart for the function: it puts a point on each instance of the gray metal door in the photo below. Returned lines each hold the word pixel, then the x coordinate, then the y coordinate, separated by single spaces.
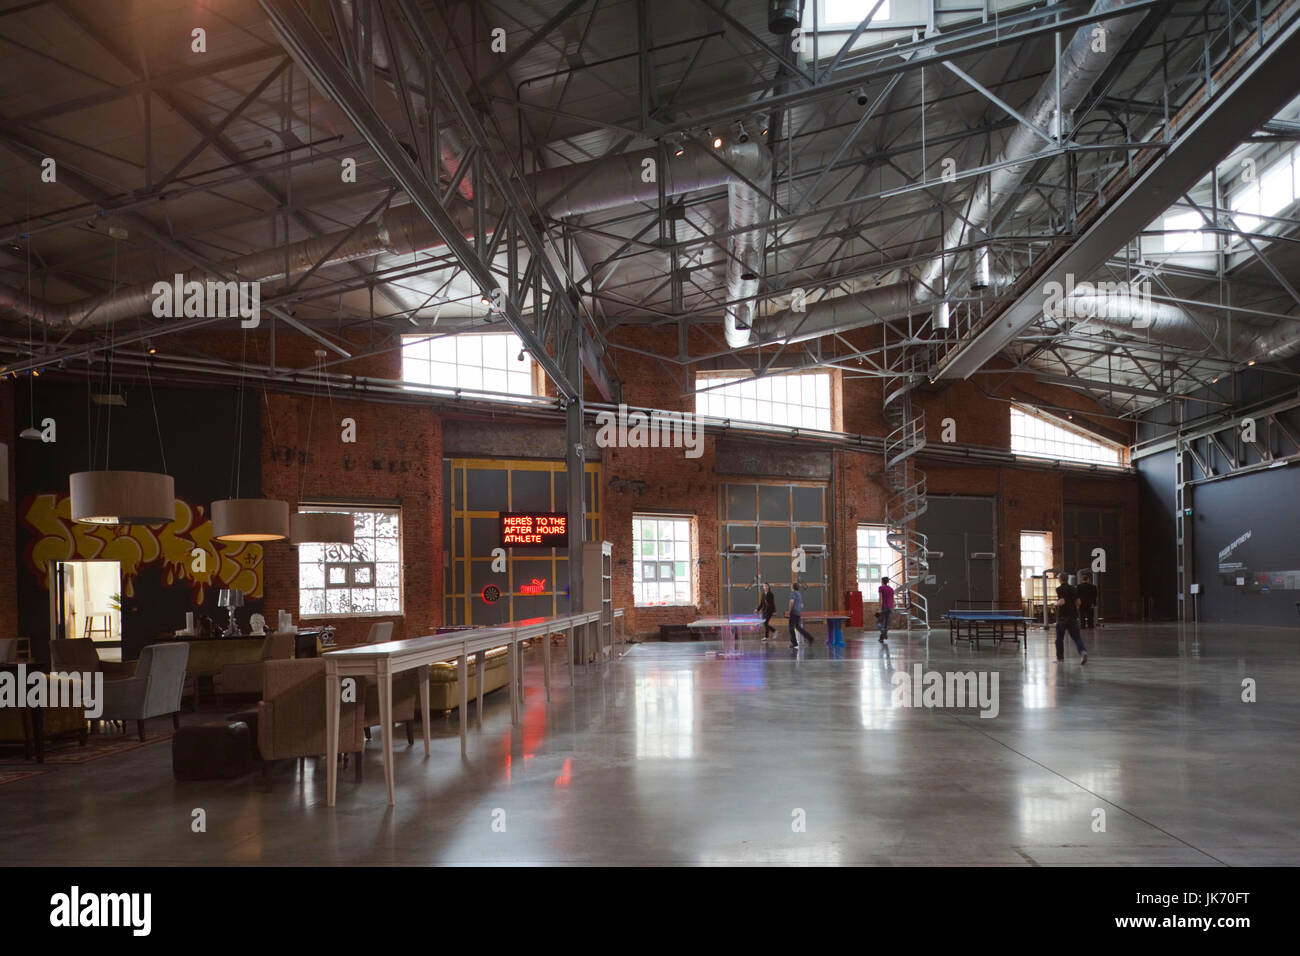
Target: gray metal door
pixel 963 545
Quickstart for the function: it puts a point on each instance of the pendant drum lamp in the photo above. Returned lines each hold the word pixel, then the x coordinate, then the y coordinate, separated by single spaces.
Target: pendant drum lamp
pixel 250 519
pixel 122 497
pixel 322 527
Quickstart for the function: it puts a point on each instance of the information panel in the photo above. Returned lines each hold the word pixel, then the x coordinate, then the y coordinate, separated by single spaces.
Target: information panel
pixel 538 529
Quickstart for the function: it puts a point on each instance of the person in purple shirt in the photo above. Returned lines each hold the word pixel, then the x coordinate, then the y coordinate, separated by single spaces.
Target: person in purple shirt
pixel 886 608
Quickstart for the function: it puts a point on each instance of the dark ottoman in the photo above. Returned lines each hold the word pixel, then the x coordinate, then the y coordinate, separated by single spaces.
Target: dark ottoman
pixel 218 750
pixel 249 717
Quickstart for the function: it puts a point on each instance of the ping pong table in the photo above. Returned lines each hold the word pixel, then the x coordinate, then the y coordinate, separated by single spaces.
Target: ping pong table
pixel 729 627
pixel 971 625
pixel 835 621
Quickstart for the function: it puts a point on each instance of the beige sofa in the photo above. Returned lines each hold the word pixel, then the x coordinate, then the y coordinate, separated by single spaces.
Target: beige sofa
pixel 444 688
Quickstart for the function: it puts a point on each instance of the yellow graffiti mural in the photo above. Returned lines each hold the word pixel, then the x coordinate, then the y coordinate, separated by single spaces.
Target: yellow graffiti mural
pixel 59 538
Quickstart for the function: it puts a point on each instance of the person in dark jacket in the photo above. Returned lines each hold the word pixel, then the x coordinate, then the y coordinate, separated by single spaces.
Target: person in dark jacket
pixel 766 608
pixel 1067 619
pixel 1087 600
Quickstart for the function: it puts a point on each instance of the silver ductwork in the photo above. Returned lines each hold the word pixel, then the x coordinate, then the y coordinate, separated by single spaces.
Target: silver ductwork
pixel 1081 65
pixel 840 314
pixel 623 180
pixel 1165 324
pixel 451 150
pixel 398 231
pixel 586 187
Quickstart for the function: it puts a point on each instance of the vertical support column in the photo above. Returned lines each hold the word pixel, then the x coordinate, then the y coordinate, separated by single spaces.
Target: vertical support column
pixel 575 463
pixel 1183 533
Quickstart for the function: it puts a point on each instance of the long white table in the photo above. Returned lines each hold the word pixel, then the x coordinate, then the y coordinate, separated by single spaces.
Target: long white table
pixel 382 661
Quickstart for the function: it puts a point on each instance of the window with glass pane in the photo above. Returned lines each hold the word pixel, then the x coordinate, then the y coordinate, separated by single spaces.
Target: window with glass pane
pixel 1037 435
pixel 486 363
pixel 797 401
pixel 1035 557
pixel 661 560
pixel 876 560
pixel 363 578
pixel 849 13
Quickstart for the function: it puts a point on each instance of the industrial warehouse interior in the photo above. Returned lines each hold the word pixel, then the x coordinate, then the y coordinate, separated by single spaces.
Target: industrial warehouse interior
pixel 650 433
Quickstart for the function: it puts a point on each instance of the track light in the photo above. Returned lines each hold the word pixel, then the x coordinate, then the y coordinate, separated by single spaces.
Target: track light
pixel 717 140
pixel 1251 362
pixel 861 97
pixel 680 148
pixel 742 134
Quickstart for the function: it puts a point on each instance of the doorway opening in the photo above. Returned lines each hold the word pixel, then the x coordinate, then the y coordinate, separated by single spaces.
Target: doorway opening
pixel 86 601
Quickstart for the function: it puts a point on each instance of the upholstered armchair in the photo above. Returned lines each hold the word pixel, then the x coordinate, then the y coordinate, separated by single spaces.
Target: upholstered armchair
pixel 291 715
pixel 154 690
pixel 78 655
pixel 246 677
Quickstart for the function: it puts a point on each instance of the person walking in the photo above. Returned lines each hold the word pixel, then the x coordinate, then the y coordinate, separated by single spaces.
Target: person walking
pixel 886 609
pixel 1087 601
pixel 796 614
pixel 1067 618
pixel 766 608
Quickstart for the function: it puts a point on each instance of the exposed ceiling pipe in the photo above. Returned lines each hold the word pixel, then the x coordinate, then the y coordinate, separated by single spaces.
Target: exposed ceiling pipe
pixel 587 187
pixel 451 149
pixel 1081 65
pixel 399 231
pixel 839 314
pixel 1166 324
pixel 622 180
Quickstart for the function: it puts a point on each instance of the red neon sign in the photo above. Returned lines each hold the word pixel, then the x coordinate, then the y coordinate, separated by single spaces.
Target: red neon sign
pixel 535 529
pixel 537 587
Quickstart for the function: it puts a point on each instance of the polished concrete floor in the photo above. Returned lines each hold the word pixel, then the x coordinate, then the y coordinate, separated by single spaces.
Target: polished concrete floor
pixel 682 754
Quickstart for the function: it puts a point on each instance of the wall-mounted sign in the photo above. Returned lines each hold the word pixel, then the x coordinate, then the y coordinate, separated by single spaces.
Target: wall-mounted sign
pixel 491 594
pixel 537 586
pixel 542 529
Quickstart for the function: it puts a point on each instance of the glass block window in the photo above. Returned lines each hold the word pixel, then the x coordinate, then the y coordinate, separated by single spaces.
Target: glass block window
pixel 1042 437
pixel 876 560
pixel 801 401
pixel 488 362
pixel 357 580
pixel 661 560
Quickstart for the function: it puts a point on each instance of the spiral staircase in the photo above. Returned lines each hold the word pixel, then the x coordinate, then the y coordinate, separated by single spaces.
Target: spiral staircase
pixel 906 485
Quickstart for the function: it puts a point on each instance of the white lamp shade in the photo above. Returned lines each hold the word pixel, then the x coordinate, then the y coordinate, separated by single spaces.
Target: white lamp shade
pixel 250 519
pixel 122 497
pixel 322 527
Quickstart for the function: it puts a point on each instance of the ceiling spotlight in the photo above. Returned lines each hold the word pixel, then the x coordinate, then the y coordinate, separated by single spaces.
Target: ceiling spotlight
pixel 861 97
pixel 522 353
pixel 717 140
pixel 680 147
pixel 150 347
pixel 742 134
pixel 1215 380
pixel 1251 362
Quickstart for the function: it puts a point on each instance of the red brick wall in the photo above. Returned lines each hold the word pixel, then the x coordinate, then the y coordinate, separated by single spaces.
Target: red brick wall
pixel 397 455
pixel 8 511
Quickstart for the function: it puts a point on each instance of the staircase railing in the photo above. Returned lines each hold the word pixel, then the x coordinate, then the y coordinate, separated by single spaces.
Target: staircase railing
pixel 907 500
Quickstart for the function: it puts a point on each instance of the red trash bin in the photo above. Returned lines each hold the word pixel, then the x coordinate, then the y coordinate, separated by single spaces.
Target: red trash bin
pixel 853 604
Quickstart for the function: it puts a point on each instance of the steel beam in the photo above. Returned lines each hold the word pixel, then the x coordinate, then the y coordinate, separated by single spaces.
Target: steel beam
pixel 1262 86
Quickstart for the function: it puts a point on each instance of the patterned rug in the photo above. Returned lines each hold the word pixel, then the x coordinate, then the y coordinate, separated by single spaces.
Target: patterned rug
pixel 13 776
pixel 68 752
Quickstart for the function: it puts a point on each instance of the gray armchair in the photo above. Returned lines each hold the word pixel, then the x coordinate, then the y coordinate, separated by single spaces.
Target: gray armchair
pixel 154 691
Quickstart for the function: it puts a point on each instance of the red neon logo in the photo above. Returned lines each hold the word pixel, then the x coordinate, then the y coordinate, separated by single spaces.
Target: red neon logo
pixel 537 587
